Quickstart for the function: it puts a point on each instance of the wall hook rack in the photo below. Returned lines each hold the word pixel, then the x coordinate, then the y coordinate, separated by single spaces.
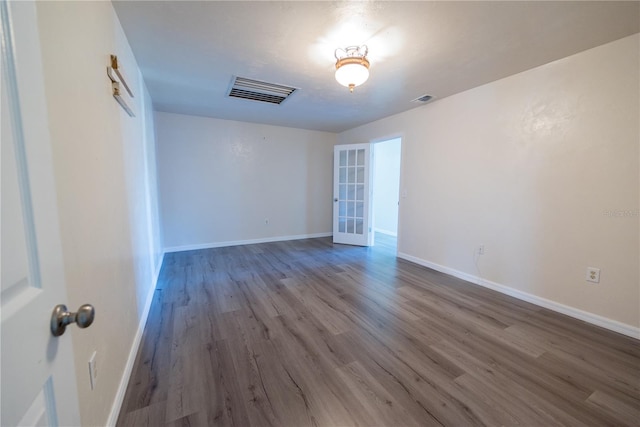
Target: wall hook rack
pixel 117 80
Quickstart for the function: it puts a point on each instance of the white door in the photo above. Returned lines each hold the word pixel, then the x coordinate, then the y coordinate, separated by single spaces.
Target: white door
pixel 38 378
pixel 351 194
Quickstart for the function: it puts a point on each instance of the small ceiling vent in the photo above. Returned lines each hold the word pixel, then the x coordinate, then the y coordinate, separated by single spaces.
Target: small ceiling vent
pixel 256 90
pixel 424 98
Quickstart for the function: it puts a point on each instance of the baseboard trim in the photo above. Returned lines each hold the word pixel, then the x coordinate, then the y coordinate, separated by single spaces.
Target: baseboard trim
pixel 387 232
pixel 244 242
pixel 612 325
pixel 124 381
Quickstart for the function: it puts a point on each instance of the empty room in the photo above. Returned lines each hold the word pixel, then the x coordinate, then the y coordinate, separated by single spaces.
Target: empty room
pixel 320 213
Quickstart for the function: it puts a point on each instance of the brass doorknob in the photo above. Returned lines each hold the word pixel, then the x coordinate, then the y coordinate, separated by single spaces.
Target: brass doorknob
pixel 60 318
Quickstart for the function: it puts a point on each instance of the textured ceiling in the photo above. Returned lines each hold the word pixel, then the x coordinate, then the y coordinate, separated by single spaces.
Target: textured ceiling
pixel 190 51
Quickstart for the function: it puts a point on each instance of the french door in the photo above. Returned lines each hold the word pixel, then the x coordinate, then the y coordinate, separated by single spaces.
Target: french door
pixel 352 195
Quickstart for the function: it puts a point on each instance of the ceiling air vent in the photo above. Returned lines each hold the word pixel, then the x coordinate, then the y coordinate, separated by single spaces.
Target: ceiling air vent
pixel 256 90
pixel 423 98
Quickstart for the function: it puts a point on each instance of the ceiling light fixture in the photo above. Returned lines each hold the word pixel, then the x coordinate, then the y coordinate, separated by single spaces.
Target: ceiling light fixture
pixel 352 66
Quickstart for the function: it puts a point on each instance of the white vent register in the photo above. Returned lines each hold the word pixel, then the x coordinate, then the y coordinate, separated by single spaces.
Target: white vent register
pixel 256 90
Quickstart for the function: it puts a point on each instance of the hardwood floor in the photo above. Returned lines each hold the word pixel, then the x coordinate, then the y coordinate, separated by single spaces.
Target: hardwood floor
pixel 307 333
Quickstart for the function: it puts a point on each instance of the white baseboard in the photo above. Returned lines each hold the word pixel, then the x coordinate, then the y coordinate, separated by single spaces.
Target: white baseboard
pixel 124 381
pixel 244 242
pixel 387 232
pixel 613 325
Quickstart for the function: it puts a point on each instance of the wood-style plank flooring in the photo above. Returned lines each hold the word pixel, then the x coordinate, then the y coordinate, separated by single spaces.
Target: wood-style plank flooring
pixel 307 333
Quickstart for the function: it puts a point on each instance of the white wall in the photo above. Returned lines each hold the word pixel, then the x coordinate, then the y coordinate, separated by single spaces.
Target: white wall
pixel 104 164
pixel 530 166
pixel 386 185
pixel 219 180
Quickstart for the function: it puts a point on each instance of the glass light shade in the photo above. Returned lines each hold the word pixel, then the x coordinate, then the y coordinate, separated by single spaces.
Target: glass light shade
pixel 351 75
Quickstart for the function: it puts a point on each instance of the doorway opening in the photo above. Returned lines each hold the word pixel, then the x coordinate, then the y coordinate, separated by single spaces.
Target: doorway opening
pixel 386 192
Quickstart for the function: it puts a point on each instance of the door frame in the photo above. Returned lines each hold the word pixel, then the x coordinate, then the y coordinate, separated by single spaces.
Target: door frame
pixel 402 192
pixel 374 144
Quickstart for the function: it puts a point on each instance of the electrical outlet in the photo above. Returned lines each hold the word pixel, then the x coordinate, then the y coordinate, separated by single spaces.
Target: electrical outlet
pixel 481 250
pixel 93 370
pixel 593 275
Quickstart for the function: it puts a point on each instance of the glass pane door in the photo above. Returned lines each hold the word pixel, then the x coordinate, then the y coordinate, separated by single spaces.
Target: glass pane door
pixel 351 181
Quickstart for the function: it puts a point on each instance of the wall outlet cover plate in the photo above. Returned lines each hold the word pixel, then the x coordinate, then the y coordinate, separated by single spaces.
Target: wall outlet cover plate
pixel 593 275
